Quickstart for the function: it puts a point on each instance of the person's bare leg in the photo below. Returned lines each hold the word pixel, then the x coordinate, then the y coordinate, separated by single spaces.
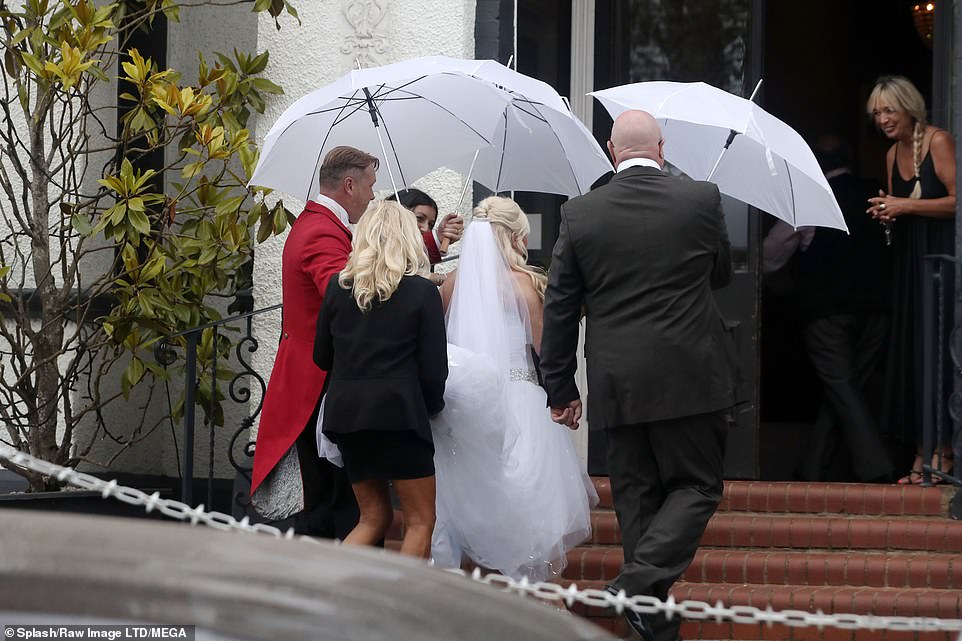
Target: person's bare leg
pixel 417 503
pixel 374 502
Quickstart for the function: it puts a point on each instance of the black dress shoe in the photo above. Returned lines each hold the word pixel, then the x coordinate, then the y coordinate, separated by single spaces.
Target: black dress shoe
pixel 636 620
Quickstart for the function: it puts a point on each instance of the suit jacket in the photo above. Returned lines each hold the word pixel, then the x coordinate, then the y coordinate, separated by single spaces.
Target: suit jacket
pixel 641 255
pixel 317 247
pixel 387 366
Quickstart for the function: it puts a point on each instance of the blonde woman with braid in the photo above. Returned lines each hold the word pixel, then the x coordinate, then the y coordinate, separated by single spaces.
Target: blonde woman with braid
pixel 380 337
pixel 919 208
pixel 511 494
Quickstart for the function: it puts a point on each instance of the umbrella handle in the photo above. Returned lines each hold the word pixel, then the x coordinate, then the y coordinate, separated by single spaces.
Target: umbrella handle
pixel 444 241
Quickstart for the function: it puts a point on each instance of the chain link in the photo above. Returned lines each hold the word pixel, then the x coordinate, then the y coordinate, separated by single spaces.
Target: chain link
pixel 695 610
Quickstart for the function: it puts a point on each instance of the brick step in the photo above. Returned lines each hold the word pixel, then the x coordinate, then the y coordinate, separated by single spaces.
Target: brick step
pixel 821 498
pixel 911 602
pixel 749 530
pixel 777 567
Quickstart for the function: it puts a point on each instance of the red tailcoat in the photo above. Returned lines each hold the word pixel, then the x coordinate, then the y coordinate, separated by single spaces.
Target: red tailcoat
pixel 316 248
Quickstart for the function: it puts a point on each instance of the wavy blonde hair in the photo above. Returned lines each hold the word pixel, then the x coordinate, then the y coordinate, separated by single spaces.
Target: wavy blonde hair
pixel 387 246
pixel 511 227
pixel 899 92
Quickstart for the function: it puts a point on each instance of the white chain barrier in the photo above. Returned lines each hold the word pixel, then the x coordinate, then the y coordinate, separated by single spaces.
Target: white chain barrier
pixel 552 592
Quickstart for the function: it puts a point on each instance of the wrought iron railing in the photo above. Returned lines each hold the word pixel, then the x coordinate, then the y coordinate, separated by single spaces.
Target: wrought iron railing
pixel 939 296
pixel 239 390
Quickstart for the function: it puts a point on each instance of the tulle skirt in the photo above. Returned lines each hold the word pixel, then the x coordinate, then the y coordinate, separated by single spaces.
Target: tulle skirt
pixel 510 491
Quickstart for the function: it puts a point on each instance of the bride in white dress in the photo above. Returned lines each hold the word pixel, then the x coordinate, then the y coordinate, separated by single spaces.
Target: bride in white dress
pixel 510 492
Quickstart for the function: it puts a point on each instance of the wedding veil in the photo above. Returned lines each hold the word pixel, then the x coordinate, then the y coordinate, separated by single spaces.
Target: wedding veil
pixel 487 314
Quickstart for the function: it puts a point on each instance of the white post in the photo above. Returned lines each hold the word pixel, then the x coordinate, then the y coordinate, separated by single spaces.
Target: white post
pixel 582 81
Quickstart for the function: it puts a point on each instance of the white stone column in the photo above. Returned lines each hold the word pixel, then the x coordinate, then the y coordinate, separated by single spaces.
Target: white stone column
pixel 582 81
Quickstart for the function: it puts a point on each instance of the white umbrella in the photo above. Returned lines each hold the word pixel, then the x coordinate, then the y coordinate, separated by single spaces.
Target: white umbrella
pixel 503 129
pixel 415 116
pixel 750 154
pixel 539 144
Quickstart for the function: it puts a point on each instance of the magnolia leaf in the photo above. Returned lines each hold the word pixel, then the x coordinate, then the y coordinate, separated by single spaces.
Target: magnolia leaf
pixel 11 63
pixel 139 221
pixel 257 64
pixel 254 213
pixel 263 232
pixel 81 223
pixel 265 85
pixel 181 312
pixel 280 217
pixel 135 370
pixel 230 205
pixel 34 63
pixel 98 73
pixel 227 62
pixel 256 102
pixel 192 169
pixel 154 267
pixel 248 158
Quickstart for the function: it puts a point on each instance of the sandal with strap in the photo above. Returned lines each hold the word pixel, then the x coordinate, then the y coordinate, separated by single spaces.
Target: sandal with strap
pixel 914 477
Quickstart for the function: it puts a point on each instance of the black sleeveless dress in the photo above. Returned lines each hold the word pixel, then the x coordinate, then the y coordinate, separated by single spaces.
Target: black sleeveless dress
pixel 913 238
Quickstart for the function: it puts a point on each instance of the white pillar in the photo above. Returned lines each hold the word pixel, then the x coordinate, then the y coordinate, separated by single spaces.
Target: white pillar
pixel 582 81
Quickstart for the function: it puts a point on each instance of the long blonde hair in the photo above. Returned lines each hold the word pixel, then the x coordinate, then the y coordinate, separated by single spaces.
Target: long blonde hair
pixel 511 227
pixel 899 92
pixel 386 247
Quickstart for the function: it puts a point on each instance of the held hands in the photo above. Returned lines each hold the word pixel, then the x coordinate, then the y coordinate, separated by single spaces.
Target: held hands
pixel 567 415
pixel 885 208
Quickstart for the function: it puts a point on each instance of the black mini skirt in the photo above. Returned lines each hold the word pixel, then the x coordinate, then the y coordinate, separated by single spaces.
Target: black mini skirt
pixel 384 454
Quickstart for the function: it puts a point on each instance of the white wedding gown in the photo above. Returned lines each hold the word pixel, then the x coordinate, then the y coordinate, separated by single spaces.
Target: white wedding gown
pixel 510 491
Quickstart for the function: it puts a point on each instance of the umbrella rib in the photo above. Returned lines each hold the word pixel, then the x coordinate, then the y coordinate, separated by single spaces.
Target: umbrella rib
pixel 317 161
pixel 504 142
pixel 560 144
pixel 390 140
pixel 791 191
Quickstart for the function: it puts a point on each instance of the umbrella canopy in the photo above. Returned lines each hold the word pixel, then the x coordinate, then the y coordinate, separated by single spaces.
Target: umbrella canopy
pixel 539 144
pixel 767 164
pixel 478 117
pixel 415 116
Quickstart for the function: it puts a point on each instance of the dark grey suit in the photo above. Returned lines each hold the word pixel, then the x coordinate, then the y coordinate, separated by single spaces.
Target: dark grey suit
pixel 641 255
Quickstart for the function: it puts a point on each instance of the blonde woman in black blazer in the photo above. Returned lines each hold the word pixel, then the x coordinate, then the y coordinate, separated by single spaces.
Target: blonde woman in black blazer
pixel 380 336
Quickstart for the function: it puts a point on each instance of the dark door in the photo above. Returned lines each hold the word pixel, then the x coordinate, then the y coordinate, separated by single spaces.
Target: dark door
pixel 823 90
pixel 709 41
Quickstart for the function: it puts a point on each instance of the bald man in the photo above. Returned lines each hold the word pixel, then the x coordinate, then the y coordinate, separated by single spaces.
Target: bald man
pixel 641 255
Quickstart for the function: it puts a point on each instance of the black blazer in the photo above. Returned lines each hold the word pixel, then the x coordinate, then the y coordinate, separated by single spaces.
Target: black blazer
pixel 387 366
pixel 642 255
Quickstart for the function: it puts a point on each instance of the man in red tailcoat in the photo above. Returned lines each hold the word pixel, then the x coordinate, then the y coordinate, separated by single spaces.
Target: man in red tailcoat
pixel 288 477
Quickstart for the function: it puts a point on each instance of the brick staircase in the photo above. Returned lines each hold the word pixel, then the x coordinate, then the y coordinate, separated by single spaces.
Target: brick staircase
pixel 853 548
pixel 886 550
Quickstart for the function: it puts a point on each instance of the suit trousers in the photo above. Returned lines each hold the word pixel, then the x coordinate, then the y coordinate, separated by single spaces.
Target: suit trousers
pixel 666 481
pixel 846 350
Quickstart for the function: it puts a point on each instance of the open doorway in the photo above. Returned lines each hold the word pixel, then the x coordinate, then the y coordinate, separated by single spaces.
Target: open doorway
pixel 821 59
